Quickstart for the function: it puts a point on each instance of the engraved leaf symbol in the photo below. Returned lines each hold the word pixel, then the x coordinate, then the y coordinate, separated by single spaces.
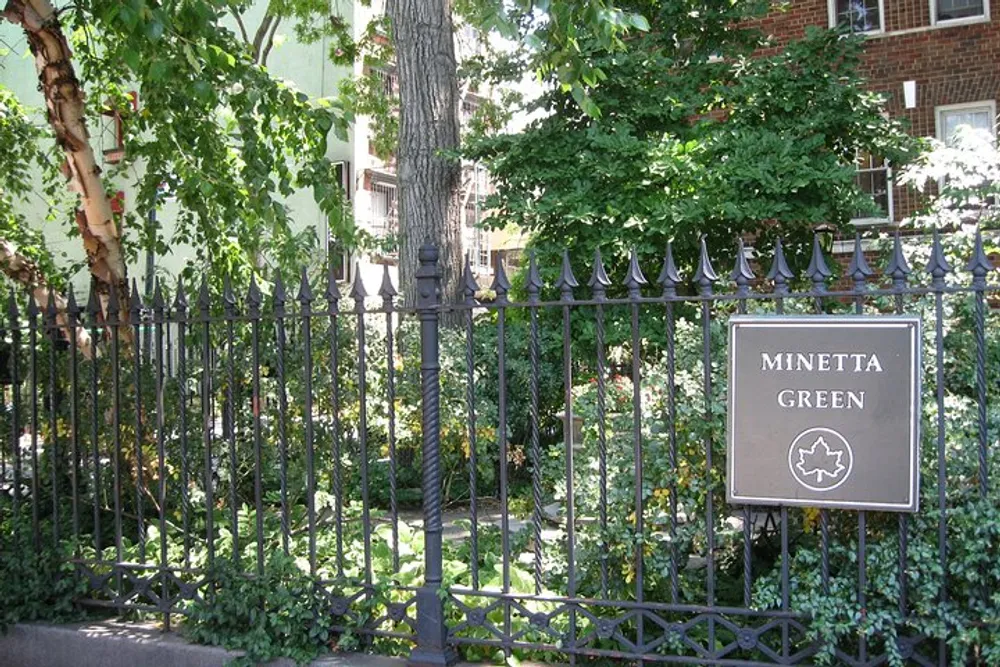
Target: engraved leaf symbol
pixel 820 460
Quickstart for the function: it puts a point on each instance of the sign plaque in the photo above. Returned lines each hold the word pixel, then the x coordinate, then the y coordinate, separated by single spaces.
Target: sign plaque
pixel 824 411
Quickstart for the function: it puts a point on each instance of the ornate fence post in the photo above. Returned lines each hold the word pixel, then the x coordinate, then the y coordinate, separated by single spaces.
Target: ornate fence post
pixel 432 631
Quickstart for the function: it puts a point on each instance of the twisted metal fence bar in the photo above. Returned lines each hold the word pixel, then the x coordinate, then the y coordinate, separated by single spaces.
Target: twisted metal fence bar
pixel 262 424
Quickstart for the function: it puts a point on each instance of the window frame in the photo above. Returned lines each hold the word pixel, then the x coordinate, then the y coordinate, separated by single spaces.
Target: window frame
pixel 831 10
pixel 982 18
pixel 890 217
pixel 940 111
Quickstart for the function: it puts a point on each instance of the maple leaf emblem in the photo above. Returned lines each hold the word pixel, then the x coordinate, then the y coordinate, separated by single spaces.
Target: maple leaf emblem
pixel 820 460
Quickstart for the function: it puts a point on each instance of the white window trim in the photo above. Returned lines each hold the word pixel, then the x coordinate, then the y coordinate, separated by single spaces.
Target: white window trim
pixel 982 18
pixel 891 217
pixel 831 11
pixel 964 106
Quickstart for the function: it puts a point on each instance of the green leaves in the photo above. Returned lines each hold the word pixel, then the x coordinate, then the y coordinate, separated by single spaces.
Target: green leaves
pixel 676 141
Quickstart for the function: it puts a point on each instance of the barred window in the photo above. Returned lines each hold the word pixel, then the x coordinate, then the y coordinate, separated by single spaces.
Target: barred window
pixel 857 16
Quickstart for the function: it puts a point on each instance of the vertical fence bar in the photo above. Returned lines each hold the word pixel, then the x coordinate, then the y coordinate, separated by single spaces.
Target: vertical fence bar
pixel 599 282
pixel 159 321
pixel 388 293
pixel 278 308
pixel 534 288
pixel 135 312
pixel 358 293
pixel 860 272
pixel 207 416
pixel 634 282
pixel 669 279
pixel 469 289
pixel 780 274
pixel 333 310
pixel 93 317
pixel 567 282
pixel 115 324
pixel 979 266
pixel 305 298
pixel 501 286
pixel 229 304
pixel 14 319
pixel 432 630
pixel 743 276
pixel 52 443
pixel 704 277
pixel 253 302
pixel 72 319
pixel 938 267
pixel 898 269
pixel 181 315
pixel 33 379
pixel 818 272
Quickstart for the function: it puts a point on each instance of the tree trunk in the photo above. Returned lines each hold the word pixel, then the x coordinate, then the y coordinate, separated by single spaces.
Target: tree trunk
pixel 64 100
pixel 23 271
pixel 429 179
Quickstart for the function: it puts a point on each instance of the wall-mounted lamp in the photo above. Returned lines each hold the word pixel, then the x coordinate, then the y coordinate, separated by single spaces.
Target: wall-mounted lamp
pixel 910 94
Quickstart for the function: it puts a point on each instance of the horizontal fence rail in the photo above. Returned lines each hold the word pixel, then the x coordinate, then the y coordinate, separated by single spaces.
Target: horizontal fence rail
pixel 538 473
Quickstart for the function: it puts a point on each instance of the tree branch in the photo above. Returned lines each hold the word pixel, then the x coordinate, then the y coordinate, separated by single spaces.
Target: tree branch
pixel 258 39
pixel 242 26
pixel 24 272
pixel 64 101
pixel 270 42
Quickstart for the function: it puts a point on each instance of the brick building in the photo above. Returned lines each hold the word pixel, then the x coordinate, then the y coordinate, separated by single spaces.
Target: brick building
pixel 947 52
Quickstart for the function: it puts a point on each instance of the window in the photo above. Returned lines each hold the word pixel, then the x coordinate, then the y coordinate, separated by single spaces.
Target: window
pixel 957 10
pixel 388 82
pixel 978 115
pixel 384 212
pixel 469 107
pixel 874 178
pixel 856 16
pixel 113 130
pixel 477 238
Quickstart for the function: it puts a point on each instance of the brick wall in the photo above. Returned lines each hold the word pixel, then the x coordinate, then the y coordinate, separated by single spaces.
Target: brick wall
pixel 951 64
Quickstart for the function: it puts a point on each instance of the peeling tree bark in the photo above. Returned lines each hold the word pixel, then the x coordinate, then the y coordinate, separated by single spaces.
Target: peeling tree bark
pixel 64 101
pixel 429 180
pixel 23 271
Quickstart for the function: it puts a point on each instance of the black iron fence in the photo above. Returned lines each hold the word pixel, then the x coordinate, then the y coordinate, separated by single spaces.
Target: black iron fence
pixel 419 473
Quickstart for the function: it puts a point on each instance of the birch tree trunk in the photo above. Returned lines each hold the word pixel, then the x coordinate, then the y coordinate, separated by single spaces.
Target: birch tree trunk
pixel 64 101
pixel 429 180
pixel 23 271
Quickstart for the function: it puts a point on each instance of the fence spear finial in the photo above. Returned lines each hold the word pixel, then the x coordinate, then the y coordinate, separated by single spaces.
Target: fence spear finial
pixel 705 275
pixel 469 284
pixel 305 289
pixel 634 279
pixel 669 278
pixel 358 291
pixel 567 281
pixel 979 264
pixel 818 271
pixel 386 289
pixel 938 265
pixel 859 268
pixel 501 285
pixel 780 273
pixel 534 281
pixel 741 274
pixel 599 281
pixel 254 296
pixel 180 298
pixel 159 302
pixel 898 268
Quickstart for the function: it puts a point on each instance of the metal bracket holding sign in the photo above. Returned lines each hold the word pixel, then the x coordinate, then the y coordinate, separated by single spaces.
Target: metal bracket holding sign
pixel 824 411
